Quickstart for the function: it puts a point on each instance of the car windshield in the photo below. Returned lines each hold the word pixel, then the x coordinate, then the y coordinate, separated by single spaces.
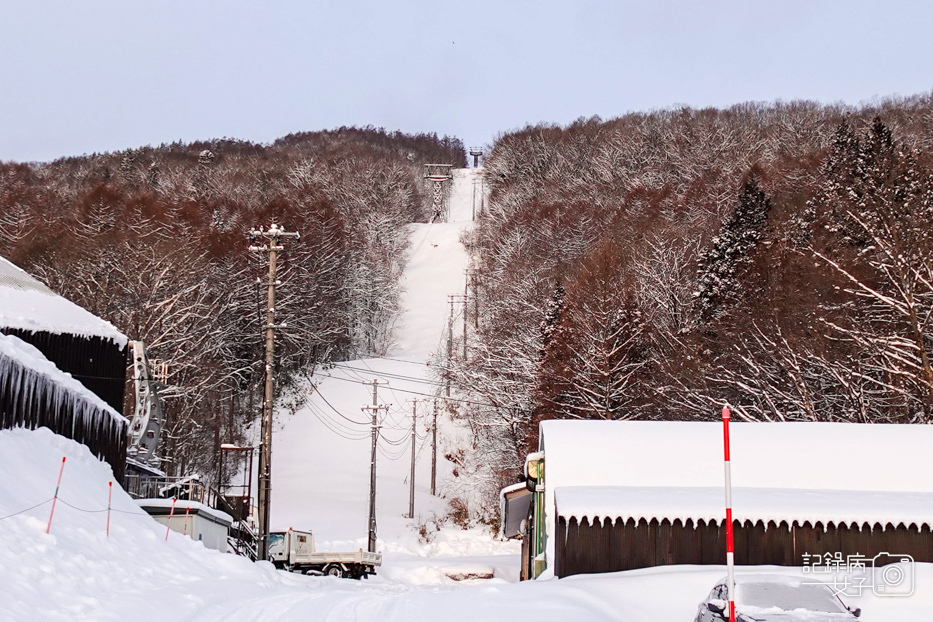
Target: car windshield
pixel 788 597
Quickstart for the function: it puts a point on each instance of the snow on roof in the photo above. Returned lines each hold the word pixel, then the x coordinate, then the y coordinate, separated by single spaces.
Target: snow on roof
pixel 183 504
pixel 18 352
pixel 27 304
pixel 831 456
pixel 855 509
pixel 682 454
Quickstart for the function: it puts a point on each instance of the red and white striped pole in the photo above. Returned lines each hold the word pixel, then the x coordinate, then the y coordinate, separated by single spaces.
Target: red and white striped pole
pixel 730 551
pixel 187 510
pixel 55 498
pixel 109 499
pixel 171 513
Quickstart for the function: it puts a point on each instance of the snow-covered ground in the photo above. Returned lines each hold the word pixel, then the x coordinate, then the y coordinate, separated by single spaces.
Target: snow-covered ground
pixel 321 482
pixel 77 573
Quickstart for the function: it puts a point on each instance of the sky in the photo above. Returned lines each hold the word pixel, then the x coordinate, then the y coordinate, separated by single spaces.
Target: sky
pixel 104 75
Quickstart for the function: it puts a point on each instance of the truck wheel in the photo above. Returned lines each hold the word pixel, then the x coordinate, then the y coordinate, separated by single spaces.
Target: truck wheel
pixel 334 571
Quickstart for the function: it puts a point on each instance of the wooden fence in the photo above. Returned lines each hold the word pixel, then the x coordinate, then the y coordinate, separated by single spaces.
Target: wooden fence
pixel 625 544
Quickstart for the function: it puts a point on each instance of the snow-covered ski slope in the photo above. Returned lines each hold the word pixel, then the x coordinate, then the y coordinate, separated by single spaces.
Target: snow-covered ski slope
pixel 321 455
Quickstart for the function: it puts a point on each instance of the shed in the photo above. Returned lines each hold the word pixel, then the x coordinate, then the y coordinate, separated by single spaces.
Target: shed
pixel 196 520
pixel 87 350
pixel 621 494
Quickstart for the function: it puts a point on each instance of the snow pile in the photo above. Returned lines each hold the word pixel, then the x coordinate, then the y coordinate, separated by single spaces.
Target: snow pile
pixel 910 509
pixel 23 365
pixel 27 304
pixel 76 572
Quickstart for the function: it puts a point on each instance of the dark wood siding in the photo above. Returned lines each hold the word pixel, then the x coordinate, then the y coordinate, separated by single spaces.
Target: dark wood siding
pixel 99 364
pixel 624 544
pixel 28 401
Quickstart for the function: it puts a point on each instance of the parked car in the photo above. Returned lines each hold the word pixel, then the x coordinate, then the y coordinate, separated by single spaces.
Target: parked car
pixel 775 598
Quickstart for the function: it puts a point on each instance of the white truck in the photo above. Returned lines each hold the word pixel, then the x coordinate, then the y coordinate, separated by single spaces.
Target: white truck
pixel 294 551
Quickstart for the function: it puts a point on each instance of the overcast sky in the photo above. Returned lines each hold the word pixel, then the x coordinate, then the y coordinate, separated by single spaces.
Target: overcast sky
pixel 87 75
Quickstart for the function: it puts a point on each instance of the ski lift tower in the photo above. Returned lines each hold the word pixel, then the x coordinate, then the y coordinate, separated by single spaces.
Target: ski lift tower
pixel 476 152
pixel 439 174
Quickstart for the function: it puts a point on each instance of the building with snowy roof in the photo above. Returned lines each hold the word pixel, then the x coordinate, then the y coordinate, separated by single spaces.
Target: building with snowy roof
pixel 603 496
pixel 61 367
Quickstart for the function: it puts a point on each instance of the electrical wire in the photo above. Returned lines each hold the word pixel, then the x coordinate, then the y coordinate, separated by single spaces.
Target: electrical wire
pixel 449 399
pixel 335 427
pixel 331 406
pixel 389 358
pixel 394 376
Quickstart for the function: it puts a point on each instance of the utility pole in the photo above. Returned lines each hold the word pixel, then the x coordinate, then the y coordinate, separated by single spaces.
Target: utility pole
pixel 450 340
pixel 270 243
pixel 375 408
pixel 454 298
pixel 411 494
pixel 434 452
pixel 472 275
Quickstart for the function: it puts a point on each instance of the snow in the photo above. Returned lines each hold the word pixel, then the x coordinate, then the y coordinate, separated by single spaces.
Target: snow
pixel 767 593
pixel 15 351
pixel 27 304
pixel 77 573
pixel 753 504
pixel 806 456
pixel 181 505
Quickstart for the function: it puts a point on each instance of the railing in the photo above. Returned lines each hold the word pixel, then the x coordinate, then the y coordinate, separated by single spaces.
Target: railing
pixel 187 488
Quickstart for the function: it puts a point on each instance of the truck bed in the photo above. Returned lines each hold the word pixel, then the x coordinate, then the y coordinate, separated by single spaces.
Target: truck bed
pixel 354 557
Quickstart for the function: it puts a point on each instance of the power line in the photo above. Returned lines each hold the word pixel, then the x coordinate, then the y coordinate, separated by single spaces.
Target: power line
pixel 450 399
pixel 331 406
pixel 335 426
pixel 395 376
pixel 389 358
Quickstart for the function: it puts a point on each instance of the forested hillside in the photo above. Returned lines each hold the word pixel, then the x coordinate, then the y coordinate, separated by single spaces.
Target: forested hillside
pixel 778 257
pixel 155 240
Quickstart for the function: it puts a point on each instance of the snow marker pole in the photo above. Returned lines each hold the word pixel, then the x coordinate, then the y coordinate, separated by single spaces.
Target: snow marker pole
pixel 171 513
pixel 187 510
pixel 55 498
pixel 730 551
pixel 109 499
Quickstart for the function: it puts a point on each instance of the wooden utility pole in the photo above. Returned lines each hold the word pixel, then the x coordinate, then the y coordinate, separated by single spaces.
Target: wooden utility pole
pixel 375 408
pixel 434 452
pixel 450 340
pixel 411 483
pixel 472 275
pixel 270 244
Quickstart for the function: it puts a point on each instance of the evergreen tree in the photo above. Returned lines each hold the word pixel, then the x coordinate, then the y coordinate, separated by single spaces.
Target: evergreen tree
pixel 721 265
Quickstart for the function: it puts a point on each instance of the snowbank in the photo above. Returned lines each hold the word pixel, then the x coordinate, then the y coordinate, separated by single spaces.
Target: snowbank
pixel 27 304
